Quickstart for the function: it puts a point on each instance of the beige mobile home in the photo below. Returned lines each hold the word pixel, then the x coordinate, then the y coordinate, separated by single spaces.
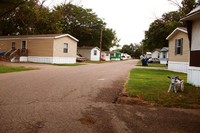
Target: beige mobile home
pixel 178 50
pixel 50 48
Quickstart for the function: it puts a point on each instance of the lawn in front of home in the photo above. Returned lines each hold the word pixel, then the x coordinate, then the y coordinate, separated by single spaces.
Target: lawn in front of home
pixel 152 86
pixel 8 69
pixel 152 65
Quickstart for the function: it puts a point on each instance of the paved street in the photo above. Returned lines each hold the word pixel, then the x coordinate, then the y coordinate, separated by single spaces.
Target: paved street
pixel 56 99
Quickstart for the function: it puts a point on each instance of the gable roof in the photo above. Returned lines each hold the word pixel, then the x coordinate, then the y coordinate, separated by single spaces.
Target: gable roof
pixel 156 50
pixel 179 29
pixel 149 53
pixel 164 49
pixel 194 14
pixel 42 36
pixel 88 47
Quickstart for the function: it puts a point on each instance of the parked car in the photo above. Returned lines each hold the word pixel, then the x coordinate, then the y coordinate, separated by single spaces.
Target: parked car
pixel 153 60
pixel 80 58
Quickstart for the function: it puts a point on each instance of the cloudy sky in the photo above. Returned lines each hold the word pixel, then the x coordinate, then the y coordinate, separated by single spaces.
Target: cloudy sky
pixel 129 18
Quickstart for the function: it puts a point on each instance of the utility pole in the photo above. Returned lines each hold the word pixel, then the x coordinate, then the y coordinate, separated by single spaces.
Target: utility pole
pixel 100 43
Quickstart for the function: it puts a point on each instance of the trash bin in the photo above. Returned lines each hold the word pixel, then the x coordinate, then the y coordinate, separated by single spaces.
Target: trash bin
pixel 144 62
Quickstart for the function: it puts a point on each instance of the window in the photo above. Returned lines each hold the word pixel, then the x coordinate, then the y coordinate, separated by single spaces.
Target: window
pixel 95 52
pixel 179 46
pixel 65 49
pixel 164 55
pixel 13 45
pixel 23 44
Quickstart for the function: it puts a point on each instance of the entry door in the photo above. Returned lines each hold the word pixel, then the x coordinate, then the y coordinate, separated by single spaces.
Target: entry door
pixel 24 45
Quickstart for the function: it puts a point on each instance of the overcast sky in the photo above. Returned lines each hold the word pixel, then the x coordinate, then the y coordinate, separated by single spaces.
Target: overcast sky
pixel 129 18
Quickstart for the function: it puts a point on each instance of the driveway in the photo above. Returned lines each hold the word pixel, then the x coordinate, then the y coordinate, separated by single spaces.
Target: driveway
pixel 78 99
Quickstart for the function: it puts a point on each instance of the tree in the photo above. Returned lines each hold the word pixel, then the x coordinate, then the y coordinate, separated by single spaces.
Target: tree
pixel 155 37
pixel 187 6
pixel 84 25
pixel 32 17
pixel 135 50
pixel 7 6
pixel 29 18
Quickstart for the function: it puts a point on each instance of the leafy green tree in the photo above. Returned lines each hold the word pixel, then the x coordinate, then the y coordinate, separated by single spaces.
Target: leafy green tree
pixel 8 6
pixel 127 49
pixel 30 17
pixel 135 50
pixel 84 25
pixel 155 37
pixel 21 20
pixel 187 6
pixel 46 22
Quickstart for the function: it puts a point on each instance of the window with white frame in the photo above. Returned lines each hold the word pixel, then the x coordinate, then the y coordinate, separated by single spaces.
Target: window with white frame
pixel 179 46
pixel 65 49
pixel 95 52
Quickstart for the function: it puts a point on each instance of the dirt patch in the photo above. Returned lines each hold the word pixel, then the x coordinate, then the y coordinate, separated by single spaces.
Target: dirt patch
pixel 130 100
pixel 123 98
pixel 98 120
pixel 87 120
pixel 110 94
pixel 34 127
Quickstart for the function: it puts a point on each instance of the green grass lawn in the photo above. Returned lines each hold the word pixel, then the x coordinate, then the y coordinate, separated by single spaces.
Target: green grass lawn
pixel 152 65
pixel 152 86
pixel 8 69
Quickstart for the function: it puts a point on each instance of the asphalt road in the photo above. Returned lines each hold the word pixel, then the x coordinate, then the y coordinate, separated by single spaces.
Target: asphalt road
pixel 79 99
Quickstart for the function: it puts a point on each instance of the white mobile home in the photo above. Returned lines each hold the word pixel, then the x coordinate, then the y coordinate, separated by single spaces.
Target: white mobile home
pixel 90 53
pixel 193 27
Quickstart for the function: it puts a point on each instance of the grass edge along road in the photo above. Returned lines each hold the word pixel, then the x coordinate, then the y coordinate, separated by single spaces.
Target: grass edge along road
pixel 152 85
pixel 152 64
pixel 9 69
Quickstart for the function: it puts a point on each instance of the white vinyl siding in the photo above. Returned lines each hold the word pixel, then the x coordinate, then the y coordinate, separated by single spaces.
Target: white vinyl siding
pixel 195 35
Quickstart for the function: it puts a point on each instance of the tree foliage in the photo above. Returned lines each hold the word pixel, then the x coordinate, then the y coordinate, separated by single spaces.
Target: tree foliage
pixel 155 37
pixel 30 17
pixel 84 25
pixel 135 50
pixel 187 6
pixel 158 30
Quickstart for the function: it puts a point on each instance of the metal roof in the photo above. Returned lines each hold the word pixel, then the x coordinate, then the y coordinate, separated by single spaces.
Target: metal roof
pixel 42 36
pixel 182 29
pixel 88 47
pixel 194 14
pixel 164 49
pixel 197 9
